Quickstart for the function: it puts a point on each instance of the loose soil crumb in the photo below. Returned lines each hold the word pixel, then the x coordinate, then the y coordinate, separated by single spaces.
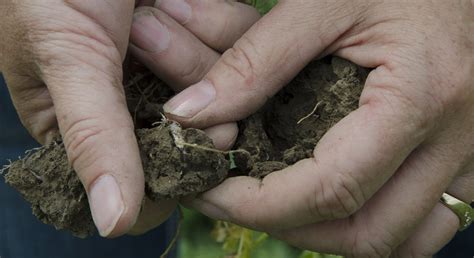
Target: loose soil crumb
pixel 172 169
pixel 179 162
pixel 47 181
pixel 290 125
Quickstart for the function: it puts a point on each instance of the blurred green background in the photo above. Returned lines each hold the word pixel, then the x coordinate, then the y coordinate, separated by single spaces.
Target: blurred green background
pixel 196 241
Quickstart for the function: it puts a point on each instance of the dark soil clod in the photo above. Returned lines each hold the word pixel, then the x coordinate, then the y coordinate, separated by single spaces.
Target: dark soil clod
pixel 179 162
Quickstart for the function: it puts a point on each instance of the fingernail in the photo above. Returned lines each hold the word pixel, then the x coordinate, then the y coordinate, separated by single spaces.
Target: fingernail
pixel 149 34
pixel 192 100
pixel 180 10
pixel 105 200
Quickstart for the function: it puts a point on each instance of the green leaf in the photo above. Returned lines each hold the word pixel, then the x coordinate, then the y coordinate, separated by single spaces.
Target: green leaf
pixel 232 160
pixel 308 254
pixel 263 6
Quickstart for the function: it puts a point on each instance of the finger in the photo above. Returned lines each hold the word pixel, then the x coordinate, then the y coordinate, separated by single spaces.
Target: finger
pixel 115 22
pixel 393 214
pixel 152 215
pixel 182 60
pixel 99 137
pixel 441 225
pixel 462 185
pixel 167 49
pixel 352 161
pixel 34 106
pixel 261 62
pixel 217 23
pixel 431 235
pixel 223 136
pixel 83 73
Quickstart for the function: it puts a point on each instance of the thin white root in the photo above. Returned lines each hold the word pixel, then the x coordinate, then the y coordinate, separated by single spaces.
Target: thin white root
pixel 6 167
pixel 310 114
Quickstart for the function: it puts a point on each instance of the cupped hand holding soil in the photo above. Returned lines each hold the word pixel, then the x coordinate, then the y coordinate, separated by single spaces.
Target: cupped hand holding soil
pixel 372 188
pixel 409 139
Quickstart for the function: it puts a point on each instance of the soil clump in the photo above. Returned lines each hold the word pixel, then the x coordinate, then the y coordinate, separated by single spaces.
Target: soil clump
pixel 179 162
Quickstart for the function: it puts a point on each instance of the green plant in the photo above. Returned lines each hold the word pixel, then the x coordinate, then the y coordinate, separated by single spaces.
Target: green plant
pixel 239 242
pixel 308 254
pixel 263 6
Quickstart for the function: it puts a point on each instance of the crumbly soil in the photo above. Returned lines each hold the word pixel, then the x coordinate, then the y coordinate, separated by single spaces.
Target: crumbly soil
pixel 179 162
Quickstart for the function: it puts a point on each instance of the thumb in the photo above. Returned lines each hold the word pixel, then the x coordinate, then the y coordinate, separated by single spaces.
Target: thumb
pixel 268 56
pixel 82 70
pixel 98 134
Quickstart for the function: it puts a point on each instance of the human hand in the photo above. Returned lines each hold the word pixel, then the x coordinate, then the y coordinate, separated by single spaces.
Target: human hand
pixel 62 61
pixel 373 188
pixel 180 41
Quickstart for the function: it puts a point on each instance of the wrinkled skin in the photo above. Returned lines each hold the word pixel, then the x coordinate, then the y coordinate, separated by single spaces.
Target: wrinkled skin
pixel 372 189
pixel 62 61
pixel 373 186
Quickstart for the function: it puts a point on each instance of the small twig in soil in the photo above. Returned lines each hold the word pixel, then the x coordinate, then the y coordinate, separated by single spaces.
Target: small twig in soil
pixel 310 114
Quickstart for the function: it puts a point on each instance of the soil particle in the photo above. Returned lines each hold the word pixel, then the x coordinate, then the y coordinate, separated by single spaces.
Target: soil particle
pixel 47 181
pixel 179 162
pixel 173 168
pixel 290 125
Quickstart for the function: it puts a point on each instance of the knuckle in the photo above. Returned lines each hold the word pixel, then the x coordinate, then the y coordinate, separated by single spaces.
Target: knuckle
pixel 241 60
pixel 80 139
pixel 221 38
pixel 57 47
pixel 340 198
pixel 195 69
pixel 393 100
